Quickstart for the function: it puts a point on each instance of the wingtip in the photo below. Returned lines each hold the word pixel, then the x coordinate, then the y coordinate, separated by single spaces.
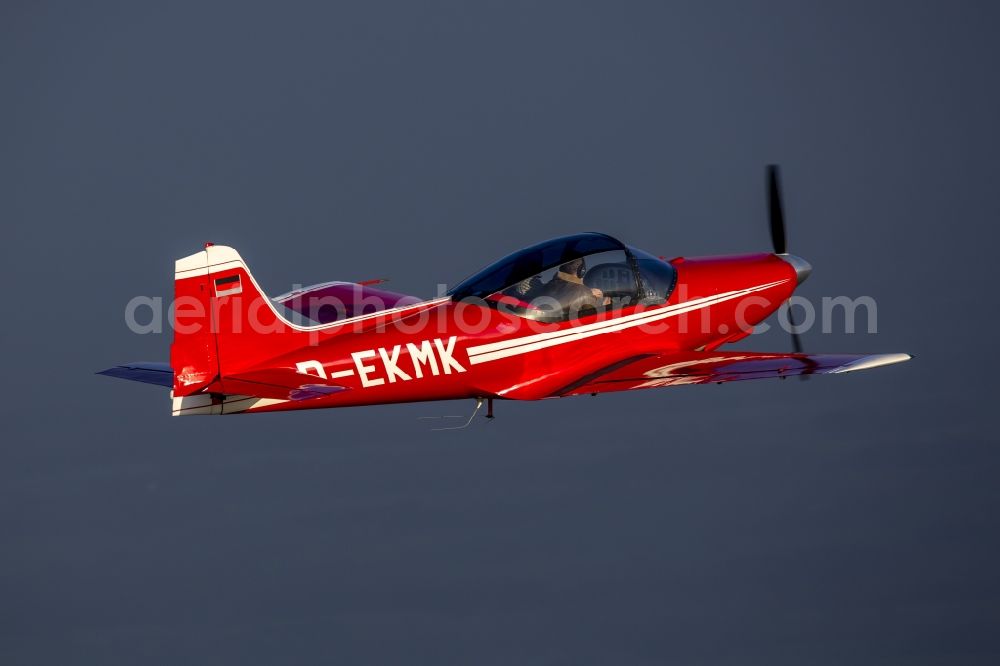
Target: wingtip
pixel 872 361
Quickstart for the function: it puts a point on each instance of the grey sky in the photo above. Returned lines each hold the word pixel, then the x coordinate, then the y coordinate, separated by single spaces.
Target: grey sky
pixel 842 520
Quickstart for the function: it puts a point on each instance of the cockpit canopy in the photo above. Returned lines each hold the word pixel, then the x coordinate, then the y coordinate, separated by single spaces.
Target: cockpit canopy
pixel 570 277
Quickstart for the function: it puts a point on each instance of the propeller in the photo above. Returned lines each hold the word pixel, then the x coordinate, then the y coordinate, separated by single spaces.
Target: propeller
pixel 776 216
pixel 775 210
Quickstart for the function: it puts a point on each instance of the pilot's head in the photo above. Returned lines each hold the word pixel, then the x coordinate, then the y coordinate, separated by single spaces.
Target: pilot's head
pixel 576 267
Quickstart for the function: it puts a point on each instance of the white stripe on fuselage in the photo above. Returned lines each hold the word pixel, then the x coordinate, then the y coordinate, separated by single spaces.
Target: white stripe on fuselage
pixel 498 350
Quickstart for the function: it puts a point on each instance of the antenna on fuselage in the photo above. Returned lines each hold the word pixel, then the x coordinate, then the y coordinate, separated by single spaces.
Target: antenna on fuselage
pixel 479 404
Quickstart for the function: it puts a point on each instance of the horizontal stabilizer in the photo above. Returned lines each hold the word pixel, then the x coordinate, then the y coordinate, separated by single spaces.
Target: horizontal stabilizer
pixel 279 384
pixel 681 368
pixel 147 372
pixel 334 301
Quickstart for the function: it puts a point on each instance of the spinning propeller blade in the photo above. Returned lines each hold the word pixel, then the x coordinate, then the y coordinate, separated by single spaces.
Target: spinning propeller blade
pixel 775 211
pixel 776 216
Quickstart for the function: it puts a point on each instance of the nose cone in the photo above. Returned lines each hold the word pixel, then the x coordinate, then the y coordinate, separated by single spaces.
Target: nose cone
pixel 801 266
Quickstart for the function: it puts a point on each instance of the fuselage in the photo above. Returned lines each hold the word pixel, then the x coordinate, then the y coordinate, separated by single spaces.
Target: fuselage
pixel 452 349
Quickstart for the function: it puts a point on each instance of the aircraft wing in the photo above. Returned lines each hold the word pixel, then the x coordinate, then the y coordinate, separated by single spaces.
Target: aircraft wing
pixel 679 368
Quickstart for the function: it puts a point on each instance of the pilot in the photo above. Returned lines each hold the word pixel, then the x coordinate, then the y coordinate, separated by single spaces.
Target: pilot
pixel 527 288
pixel 567 288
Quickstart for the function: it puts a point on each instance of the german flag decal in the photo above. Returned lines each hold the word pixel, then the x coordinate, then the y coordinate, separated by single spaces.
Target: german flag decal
pixel 228 286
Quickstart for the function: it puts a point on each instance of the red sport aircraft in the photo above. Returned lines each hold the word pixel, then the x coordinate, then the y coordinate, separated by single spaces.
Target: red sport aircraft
pixel 582 314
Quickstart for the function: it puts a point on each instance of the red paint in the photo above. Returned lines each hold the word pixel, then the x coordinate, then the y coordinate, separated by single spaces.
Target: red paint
pixel 263 363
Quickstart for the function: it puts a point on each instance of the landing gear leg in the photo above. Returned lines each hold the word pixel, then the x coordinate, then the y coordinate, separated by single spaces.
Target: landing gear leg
pixel 489 408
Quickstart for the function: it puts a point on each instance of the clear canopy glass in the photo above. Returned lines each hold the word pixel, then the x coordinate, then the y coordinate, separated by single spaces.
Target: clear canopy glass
pixel 571 277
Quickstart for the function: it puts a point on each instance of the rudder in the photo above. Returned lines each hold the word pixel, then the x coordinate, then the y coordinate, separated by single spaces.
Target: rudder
pixel 219 317
pixel 193 354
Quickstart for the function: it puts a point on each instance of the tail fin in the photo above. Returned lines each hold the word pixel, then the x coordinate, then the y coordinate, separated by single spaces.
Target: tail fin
pixel 193 354
pixel 223 322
